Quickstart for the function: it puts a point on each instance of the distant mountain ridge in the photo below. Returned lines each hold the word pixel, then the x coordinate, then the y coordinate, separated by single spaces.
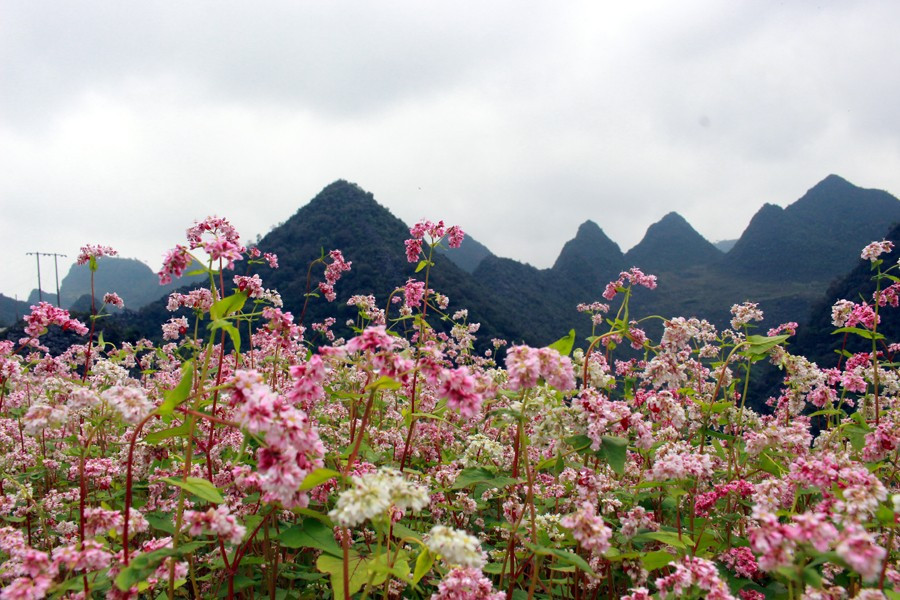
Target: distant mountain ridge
pixel 834 219
pixel 768 264
pixel 589 256
pixel 671 244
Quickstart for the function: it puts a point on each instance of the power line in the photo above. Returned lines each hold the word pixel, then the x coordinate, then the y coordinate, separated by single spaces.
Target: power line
pixel 37 257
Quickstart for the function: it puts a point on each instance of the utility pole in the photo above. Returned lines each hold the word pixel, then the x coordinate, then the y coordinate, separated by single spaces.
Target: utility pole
pixel 55 256
pixel 56 272
pixel 37 257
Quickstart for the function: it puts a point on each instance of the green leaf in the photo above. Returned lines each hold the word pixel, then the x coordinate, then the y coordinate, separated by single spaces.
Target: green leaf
pixel 310 534
pixel 400 568
pixel 198 487
pixel 388 383
pixel 422 264
pixel 400 531
pixel 812 577
pixel 760 344
pixel 473 475
pixel 615 451
pixel 232 331
pixel 180 392
pixel 579 442
pixel 423 565
pixel 165 434
pixel 143 565
pixel 227 305
pixel 656 559
pixel 570 558
pixel 666 537
pixel 317 477
pixel 358 571
pixel 161 521
pixel 856 435
pixel 767 464
pixel 863 333
pixel 565 344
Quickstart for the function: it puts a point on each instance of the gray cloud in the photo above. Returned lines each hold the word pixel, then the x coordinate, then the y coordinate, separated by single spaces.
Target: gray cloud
pixel 518 120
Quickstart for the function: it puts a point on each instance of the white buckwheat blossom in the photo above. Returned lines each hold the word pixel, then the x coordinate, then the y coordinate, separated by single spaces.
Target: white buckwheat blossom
pixel 373 494
pixel 456 547
pixel 131 401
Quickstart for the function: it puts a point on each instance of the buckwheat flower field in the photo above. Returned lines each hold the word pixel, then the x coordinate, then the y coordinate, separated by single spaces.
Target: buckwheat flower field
pixel 254 455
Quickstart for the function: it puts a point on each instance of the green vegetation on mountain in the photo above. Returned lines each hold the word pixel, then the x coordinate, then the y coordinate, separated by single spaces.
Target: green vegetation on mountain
pixel 671 245
pixel 590 258
pixel 785 261
pixel 817 238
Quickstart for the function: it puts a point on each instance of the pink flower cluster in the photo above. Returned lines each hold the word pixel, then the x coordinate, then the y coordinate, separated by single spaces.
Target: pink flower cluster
pixel 215 235
pixel 174 328
pixel 706 501
pixel 333 273
pixel 44 314
pixel 294 449
pixel 459 387
pixel 414 293
pixel 632 277
pixel 269 257
pixel 775 542
pixel 742 561
pixel 224 244
pixel 175 262
pixel 218 521
pixel 379 349
pixel 588 528
pixel 200 300
pixel 690 572
pixel 743 314
pixel 526 365
pixel 113 299
pixel 435 232
pixel 94 251
pixel 308 378
pixel 876 249
pixel 466 583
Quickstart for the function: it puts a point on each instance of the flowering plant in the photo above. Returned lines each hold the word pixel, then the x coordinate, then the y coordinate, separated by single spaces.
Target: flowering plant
pixel 242 459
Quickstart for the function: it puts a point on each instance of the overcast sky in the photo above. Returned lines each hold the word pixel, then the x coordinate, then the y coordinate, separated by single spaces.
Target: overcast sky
pixel 123 122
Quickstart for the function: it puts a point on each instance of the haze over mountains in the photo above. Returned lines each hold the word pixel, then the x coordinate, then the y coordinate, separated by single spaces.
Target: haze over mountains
pixel 785 260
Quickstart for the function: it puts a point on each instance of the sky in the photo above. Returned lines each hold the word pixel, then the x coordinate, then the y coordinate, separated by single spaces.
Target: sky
pixel 121 123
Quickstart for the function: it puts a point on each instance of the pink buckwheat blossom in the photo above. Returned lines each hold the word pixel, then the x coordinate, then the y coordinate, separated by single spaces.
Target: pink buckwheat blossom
pixel 459 388
pixel 588 528
pixel 876 249
pixel 218 521
pixel 633 276
pixel 690 572
pixel 466 583
pixel 94 251
pixel 44 314
pixel 113 299
pixel 525 365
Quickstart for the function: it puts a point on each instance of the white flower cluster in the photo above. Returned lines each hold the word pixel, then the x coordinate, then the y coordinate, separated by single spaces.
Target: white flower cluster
pixel 130 401
pixel 456 547
pixel 373 494
pixel 481 450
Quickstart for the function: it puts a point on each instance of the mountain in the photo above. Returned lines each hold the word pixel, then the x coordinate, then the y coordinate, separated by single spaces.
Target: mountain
pixel 816 341
pixel 469 254
pixel 817 238
pixel 671 244
pixel 135 282
pixel 725 245
pixel 590 258
pixel 796 252
pixel 344 216
pixel 11 310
